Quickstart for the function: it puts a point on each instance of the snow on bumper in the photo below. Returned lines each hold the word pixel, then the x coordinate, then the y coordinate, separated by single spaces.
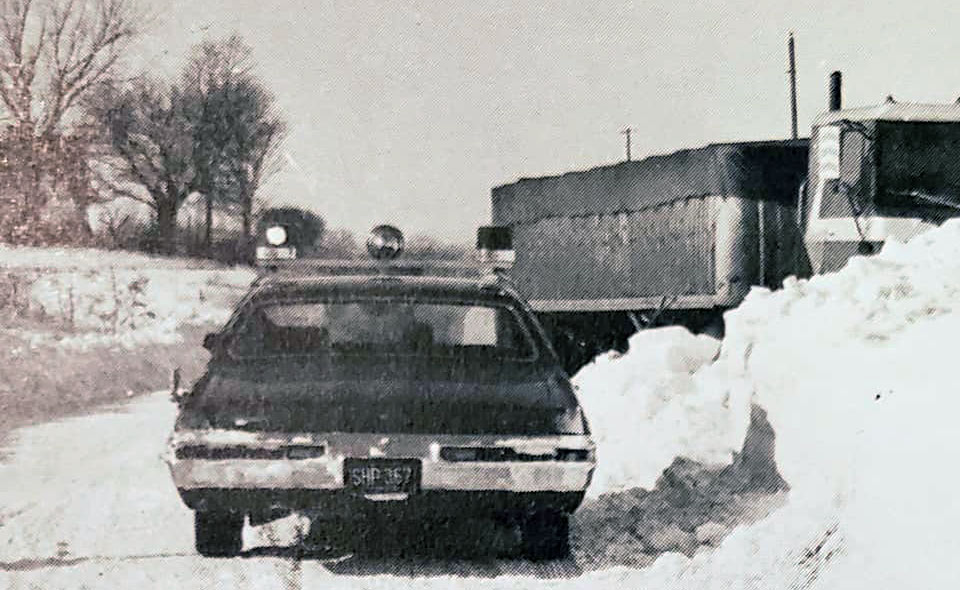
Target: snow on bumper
pixel 326 472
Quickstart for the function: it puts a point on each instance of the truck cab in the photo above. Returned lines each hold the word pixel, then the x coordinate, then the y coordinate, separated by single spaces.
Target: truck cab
pixel 877 173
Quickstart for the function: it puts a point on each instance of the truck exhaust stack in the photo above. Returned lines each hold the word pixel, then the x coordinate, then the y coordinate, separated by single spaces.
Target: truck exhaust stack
pixel 835 87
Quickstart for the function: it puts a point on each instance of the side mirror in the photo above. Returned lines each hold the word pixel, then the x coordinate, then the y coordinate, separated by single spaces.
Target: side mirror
pixel 802 205
pixel 212 341
pixel 851 193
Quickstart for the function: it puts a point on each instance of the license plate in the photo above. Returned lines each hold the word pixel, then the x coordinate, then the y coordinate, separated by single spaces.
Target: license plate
pixel 382 476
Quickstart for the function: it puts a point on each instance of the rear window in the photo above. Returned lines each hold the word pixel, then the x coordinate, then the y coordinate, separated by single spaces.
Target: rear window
pixel 382 326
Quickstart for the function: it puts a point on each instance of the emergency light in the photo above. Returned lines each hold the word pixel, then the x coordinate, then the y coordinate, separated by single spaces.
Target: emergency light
pixel 494 253
pixel 277 247
pixel 276 235
pixel 495 247
pixel 385 242
pixel 276 253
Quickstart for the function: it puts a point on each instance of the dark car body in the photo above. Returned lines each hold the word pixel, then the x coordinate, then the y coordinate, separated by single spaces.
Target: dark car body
pixel 348 427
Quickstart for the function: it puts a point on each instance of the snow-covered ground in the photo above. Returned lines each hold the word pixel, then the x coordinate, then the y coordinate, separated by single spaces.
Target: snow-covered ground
pixel 854 370
pixel 79 258
pixel 93 506
pixel 82 298
pixel 135 307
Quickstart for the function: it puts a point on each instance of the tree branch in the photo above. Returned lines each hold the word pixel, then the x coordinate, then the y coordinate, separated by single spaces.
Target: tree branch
pixel 84 49
pixel 121 191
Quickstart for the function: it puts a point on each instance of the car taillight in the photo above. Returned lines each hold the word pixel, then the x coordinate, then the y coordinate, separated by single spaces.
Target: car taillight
pixel 505 454
pixel 460 453
pixel 293 452
pixel 303 451
pixel 573 455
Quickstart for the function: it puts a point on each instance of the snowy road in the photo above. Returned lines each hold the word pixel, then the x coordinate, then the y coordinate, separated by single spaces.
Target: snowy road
pixel 88 503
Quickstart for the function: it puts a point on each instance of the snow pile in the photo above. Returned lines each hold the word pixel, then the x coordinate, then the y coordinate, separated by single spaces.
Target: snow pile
pixel 855 370
pixel 654 404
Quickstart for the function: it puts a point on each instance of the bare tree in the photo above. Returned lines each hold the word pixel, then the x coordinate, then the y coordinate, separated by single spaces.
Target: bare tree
pixel 211 72
pixel 214 131
pixel 116 226
pixel 239 129
pixel 53 53
pixel 37 179
pixel 151 127
pixel 257 134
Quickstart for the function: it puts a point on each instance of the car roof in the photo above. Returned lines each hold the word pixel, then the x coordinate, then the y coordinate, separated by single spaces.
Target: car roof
pixel 307 285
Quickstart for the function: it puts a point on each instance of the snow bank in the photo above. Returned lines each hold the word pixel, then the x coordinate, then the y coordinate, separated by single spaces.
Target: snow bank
pixel 655 404
pixel 856 372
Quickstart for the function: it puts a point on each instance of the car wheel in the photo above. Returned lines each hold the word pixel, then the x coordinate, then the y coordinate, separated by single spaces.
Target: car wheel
pixel 546 536
pixel 218 534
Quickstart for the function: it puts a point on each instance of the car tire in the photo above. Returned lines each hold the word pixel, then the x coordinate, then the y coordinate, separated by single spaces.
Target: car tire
pixel 218 534
pixel 545 536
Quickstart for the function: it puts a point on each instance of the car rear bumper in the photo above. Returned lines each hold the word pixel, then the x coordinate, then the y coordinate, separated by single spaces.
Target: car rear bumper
pixel 325 470
pixel 267 486
pixel 344 505
pixel 327 474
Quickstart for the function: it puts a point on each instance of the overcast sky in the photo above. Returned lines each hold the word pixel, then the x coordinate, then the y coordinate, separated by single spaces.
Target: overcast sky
pixel 409 112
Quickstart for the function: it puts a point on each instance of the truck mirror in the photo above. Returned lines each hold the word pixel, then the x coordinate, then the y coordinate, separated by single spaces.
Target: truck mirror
pixel 856 152
pixel 802 204
pixel 851 194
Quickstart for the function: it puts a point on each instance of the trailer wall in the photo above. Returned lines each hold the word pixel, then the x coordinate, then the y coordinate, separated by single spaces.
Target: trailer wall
pixel 696 253
pixel 690 230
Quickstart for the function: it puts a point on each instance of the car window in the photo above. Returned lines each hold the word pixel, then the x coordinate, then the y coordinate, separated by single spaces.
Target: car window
pixel 382 326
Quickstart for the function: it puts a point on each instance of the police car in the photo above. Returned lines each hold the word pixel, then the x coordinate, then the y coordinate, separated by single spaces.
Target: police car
pixel 381 392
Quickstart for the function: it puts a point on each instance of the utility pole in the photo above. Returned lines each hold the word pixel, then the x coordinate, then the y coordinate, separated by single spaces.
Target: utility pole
pixel 627 133
pixel 793 86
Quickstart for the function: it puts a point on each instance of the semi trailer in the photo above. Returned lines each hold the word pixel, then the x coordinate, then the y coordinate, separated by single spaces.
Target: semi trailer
pixel 680 238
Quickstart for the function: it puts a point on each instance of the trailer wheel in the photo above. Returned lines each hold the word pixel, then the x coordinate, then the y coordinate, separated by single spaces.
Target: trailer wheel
pixel 218 534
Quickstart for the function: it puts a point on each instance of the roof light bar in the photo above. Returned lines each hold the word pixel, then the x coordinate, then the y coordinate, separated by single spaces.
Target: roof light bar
pixel 385 242
pixel 495 247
